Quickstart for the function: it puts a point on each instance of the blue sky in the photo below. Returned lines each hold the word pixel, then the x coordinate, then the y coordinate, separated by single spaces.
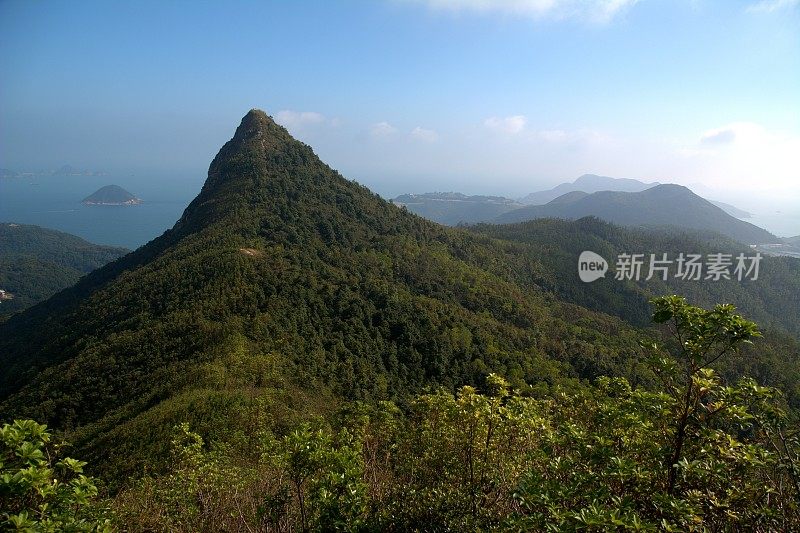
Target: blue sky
pixel 502 97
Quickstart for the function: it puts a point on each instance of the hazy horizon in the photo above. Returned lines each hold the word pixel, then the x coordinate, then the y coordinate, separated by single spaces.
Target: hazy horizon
pixel 480 97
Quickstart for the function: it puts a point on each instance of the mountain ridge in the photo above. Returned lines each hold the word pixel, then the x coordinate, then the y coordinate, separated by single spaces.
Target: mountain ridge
pixel 588 183
pixel 662 205
pixel 282 276
pixel 282 290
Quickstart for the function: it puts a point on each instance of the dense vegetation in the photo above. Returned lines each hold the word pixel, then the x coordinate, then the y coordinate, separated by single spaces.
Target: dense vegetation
pixel 283 262
pixel 771 300
pixel 692 453
pixel 38 493
pixel 35 263
pixel 290 313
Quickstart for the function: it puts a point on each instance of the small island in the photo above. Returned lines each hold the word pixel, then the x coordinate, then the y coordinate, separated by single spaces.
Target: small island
pixel 111 195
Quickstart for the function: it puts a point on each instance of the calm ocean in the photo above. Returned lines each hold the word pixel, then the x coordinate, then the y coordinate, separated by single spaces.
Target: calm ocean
pixel 55 202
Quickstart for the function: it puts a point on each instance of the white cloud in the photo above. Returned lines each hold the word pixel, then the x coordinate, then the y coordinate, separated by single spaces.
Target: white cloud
pixel 382 129
pixel 510 125
pixel 745 154
pixel 718 136
pixel 295 119
pixel 768 6
pixel 592 10
pixel 424 135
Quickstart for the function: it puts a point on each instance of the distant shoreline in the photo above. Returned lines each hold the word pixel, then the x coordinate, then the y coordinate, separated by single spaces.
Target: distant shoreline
pixel 134 201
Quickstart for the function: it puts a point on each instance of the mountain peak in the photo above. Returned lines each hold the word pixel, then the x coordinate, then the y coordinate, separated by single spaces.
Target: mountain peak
pixel 672 189
pixel 264 174
pixel 587 178
pixel 611 184
pixel 256 113
pixel 239 169
pixel 259 142
pixel 256 122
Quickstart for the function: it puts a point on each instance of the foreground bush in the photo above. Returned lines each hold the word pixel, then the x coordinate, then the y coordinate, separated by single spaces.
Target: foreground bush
pixel 40 493
pixel 695 454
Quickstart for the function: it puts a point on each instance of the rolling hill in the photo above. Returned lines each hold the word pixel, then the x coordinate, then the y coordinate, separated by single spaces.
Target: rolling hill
pixel 771 300
pixel 36 262
pixel 662 205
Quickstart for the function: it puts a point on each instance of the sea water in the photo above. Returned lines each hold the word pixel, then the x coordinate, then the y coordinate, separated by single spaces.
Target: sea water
pixel 55 202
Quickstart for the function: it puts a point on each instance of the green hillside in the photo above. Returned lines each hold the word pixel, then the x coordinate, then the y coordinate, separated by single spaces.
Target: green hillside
pixel 771 300
pixel 36 262
pixel 287 357
pixel 281 271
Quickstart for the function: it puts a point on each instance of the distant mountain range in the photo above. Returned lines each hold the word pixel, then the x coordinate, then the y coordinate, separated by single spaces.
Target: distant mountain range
pixel 732 210
pixel 661 205
pixel 65 170
pixel 36 262
pixel 590 183
pixel 452 208
pixel 612 199
pixel 587 183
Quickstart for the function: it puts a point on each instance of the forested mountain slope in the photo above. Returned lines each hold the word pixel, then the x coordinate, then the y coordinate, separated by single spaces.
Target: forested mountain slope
pixel 284 276
pixel 285 291
pixel 771 299
pixel 36 262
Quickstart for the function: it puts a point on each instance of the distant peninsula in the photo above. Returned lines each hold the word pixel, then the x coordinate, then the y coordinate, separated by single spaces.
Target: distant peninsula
pixel 111 195
pixel 65 170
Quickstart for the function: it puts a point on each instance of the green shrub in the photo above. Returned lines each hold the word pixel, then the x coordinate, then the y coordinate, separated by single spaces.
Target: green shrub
pixel 40 493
